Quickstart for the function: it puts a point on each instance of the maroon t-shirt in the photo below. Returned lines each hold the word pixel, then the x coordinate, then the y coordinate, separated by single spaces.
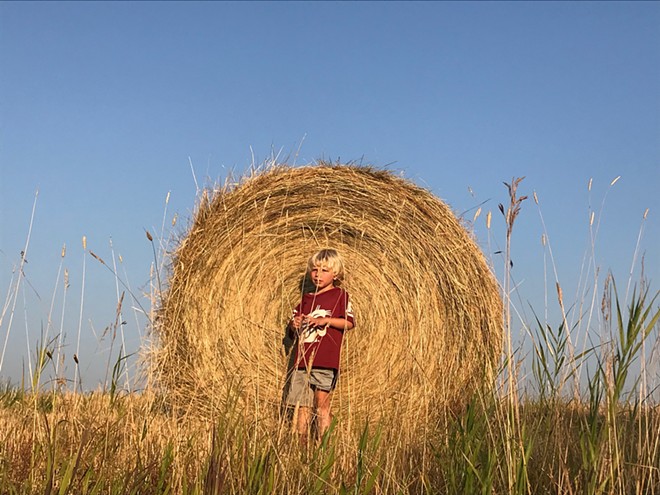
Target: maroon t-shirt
pixel 319 347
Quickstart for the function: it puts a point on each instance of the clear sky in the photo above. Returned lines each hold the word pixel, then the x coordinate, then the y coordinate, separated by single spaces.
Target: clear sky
pixel 104 106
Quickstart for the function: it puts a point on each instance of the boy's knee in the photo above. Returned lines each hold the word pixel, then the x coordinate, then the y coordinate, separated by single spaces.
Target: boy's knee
pixel 323 410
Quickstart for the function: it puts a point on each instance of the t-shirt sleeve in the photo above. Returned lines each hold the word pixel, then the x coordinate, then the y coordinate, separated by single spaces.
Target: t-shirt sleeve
pixel 349 312
pixel 298 310
pixel 348 309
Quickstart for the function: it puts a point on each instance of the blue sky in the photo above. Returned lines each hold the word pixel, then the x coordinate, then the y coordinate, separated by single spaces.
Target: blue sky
pixel 103 106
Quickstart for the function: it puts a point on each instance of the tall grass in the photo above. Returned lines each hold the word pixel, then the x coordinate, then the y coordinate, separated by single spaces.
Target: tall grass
pixel 526 437
pixel 55 442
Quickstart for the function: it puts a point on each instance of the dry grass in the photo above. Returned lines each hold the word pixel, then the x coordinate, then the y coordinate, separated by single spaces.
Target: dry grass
pixel 87 443
pixel 429 315
pixel 90 444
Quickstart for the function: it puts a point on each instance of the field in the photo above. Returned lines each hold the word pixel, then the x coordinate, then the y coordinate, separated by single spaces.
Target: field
pixel 583 421
pixel 119 443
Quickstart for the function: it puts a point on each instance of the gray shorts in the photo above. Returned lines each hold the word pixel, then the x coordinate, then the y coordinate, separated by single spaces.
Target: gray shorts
pixel 303 384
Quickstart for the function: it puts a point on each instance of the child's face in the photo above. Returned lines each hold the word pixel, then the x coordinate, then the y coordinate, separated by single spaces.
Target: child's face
pixel 323 278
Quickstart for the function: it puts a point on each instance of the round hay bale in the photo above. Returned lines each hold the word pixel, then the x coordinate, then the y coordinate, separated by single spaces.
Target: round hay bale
pixel 428 311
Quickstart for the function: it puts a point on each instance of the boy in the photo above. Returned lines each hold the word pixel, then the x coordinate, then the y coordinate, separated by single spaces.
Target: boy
pixel 319 322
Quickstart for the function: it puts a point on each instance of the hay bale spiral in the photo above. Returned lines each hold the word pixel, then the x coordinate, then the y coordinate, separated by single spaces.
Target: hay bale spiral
pixel 427 307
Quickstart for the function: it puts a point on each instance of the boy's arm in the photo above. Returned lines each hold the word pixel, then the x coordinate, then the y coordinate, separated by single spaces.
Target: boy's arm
pixel 340 323
pixel 343 323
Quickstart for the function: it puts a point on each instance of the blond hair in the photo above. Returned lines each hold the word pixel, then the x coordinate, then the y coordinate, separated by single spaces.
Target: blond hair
pixel 329 258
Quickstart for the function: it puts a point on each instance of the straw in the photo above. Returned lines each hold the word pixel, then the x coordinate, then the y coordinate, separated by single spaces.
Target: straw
pixel 428 310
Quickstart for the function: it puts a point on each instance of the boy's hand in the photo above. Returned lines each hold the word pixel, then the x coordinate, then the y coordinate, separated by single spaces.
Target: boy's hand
pixel 296 322
pixel 318 322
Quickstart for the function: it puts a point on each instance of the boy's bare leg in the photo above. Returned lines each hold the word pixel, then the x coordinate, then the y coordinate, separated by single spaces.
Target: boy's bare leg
pixel 323 416
pixel 304 420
